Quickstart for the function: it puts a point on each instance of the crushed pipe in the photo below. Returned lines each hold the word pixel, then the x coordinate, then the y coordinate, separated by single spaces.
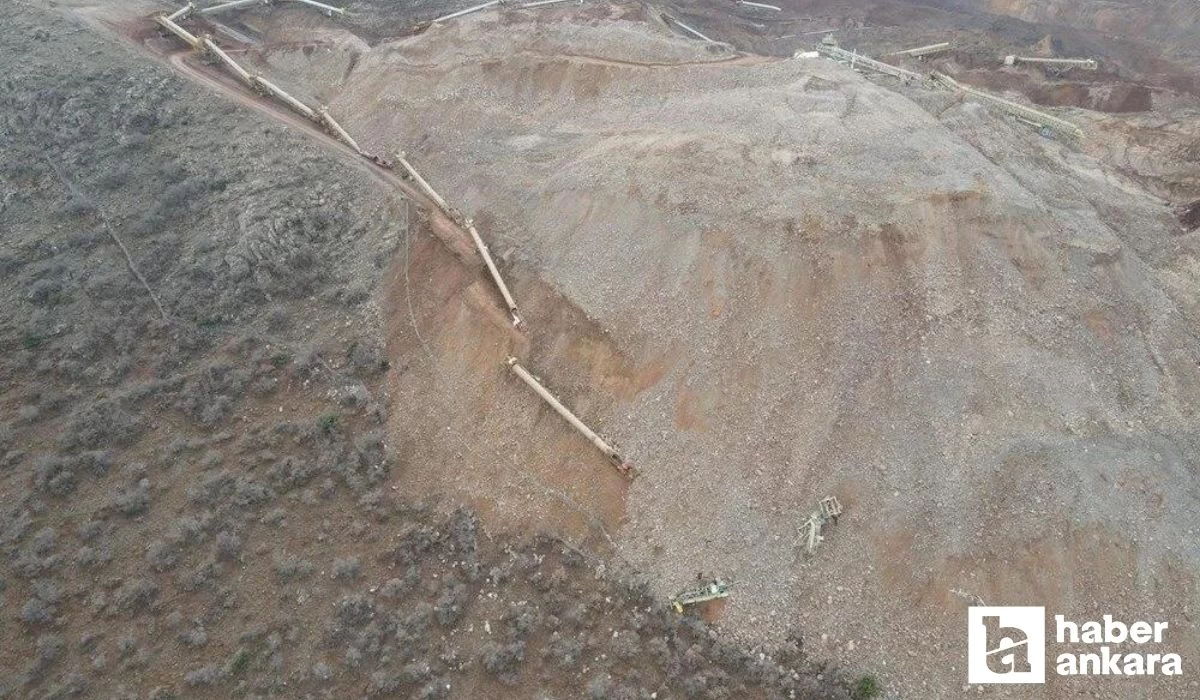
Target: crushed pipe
pixel 615 457
pixel 491 266
pixel 467 11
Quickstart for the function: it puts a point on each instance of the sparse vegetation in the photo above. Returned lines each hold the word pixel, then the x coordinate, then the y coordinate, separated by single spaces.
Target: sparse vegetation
pixel 160 507
pixel 865 688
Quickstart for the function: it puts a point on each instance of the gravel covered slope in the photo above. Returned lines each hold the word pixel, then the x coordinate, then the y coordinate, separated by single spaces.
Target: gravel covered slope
pixel 982 342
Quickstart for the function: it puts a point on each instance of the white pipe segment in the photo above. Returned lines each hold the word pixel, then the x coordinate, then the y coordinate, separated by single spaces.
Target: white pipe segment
pixel 233 5
pixel 613 456
pixel 329 10
pixel 467 11
pixel 284 97
pixel 694 32
pixel 1061 125
pixel 191 39
pixel 923 50
pixel 182 13
pixel 229 62
pixel 491 266
pixel 542 3
pixel 429 191
pixel 338 130
pixel 764 6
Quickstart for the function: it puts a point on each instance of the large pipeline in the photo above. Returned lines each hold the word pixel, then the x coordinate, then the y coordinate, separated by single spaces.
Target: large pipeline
pixel 919 51
pixel 690 30
pixel 329 10
pixel 615 457
pixel 467 11
pixel 328 122
pixel 229 62
pixel 428 189
pixel 1061 125
pixel 542 3
pixel 190 39
pixel 856 59
pixel 491 266
pixel 182 13
pixel 277 92
pixel 232 5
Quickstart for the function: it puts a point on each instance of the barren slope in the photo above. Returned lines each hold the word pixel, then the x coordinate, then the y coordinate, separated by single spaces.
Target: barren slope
pixel 983 343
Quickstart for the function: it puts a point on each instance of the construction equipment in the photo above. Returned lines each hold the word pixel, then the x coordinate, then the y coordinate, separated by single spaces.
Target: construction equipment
pixel 829 48
pixel 827 513
pixel 712 590
pixel 1084 63
pixel 1040 118
pixel 922 51
pixel 623 467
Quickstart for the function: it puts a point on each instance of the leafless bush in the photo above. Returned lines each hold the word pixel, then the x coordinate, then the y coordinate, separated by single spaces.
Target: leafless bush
pixel 503 660
pixel 288 567
pixel 203 676
pixel 228 545
pixel 194 637
pixel 136 595
pixel 355 610
pixel 451 603
pixel 36 612
pixel 346 569
pixel 135 500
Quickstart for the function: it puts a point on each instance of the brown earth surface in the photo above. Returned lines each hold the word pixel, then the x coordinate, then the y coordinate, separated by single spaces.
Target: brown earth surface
pixel 768 280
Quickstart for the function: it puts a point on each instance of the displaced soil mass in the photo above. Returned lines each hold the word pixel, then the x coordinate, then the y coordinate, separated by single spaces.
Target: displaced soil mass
pixel 200 495
pixel 258 436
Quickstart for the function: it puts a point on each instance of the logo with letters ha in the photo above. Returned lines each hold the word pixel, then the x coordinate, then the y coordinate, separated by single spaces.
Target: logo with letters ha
pixel 1006 644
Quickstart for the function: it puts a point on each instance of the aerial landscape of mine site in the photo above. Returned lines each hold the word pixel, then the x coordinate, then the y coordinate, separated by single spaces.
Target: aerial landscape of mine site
pixel 618 349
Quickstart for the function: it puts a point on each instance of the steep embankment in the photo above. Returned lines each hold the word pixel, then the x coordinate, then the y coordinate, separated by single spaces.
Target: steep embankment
pixel 982 341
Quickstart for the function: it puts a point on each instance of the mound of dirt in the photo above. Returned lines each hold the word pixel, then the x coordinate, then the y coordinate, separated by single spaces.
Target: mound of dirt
pixel 785 281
